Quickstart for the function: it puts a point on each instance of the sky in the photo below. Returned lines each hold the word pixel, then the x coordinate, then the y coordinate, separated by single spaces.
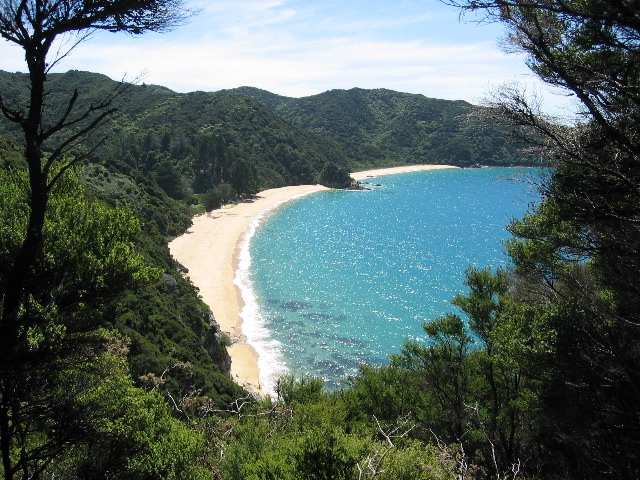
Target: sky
pixel 302 47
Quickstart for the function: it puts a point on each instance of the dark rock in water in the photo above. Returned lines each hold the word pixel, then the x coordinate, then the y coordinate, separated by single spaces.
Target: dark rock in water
pixel 318 316
pixel 355 185
pixel 294 306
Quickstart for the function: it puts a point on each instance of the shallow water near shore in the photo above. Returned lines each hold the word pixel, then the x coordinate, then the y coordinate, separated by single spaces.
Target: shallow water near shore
pixel 340 278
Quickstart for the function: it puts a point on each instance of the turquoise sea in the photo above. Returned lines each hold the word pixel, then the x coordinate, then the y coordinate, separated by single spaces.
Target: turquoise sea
pixel 335 279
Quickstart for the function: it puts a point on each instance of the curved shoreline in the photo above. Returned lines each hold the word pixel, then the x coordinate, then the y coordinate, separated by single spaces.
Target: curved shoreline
pixel 209 249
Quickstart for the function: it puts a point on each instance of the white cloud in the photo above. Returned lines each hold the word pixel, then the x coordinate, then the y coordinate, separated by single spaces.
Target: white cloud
pixel 295 49
pixel 12 57
pixel 318 65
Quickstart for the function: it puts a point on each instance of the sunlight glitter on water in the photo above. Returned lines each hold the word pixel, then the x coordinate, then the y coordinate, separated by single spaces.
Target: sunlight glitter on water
pixel 344 278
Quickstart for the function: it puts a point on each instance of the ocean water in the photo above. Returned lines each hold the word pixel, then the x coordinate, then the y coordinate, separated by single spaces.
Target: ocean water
pixel 335 279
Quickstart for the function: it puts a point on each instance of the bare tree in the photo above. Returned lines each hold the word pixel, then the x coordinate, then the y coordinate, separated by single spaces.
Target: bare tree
pixel 47 31
pixel 36 26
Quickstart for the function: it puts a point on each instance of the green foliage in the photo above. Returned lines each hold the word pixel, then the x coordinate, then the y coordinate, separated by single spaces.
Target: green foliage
pixel 474 385
pixel 85 419
pixel 578 309
pixel 383 127
pixel 577 267
pixel 577 256
pixel 443 370
pixel 291 391
pixel 90 255
pixel 252 453
pixel 10 154
pixel 168 178
pixel 213 199
pixel 312 439
pixel 415 461
pixel 380 392
pixel 244 178
pixel 167 323
pixel 174 339
pixel 130 432
pixel 484 304
pixel 89 252
pixel 328 453
pixel 160 215
pixel 546 244
pixel 334 176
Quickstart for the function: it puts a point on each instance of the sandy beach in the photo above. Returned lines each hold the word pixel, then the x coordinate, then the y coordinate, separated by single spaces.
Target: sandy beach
pixel 209 250
pixel 390 171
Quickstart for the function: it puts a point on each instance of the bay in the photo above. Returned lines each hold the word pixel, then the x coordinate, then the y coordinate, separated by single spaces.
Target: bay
pixel 340 278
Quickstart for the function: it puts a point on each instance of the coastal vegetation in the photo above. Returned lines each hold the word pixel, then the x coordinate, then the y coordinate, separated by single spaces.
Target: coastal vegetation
pixel 112 367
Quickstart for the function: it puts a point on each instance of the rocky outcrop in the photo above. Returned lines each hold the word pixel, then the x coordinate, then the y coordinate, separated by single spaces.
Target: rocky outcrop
pixel 216 343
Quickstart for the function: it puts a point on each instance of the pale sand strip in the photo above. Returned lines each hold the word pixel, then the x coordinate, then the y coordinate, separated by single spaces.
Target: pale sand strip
pixel 208 249
pixel 390 171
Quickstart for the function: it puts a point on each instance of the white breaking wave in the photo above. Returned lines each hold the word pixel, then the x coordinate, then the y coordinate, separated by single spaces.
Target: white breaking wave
pixel 271 363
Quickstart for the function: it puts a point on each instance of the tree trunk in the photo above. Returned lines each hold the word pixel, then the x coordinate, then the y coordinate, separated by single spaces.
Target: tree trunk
pixel 18 278
pixel 5 437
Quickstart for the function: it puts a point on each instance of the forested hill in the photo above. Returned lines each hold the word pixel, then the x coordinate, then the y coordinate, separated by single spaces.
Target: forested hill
pixel 378 127
pixel 270 140
pixel 191 142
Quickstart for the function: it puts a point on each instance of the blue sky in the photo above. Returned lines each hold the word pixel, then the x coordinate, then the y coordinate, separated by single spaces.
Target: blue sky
pixel 302 47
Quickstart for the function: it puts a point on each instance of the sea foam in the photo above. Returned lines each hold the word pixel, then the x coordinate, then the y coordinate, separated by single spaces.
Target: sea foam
pixel 271 363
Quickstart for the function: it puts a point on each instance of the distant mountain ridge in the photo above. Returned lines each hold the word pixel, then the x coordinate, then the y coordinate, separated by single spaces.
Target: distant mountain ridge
pixel 287 140
pixel 381 126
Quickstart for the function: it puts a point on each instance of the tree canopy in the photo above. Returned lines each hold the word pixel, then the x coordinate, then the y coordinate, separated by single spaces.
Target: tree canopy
pixel 578 253
pixel 34 26
pixel 52 274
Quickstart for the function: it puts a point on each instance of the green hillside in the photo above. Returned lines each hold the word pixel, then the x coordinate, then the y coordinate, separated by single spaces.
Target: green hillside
pixel 381 127
pixel 203 139
pixel 197 141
